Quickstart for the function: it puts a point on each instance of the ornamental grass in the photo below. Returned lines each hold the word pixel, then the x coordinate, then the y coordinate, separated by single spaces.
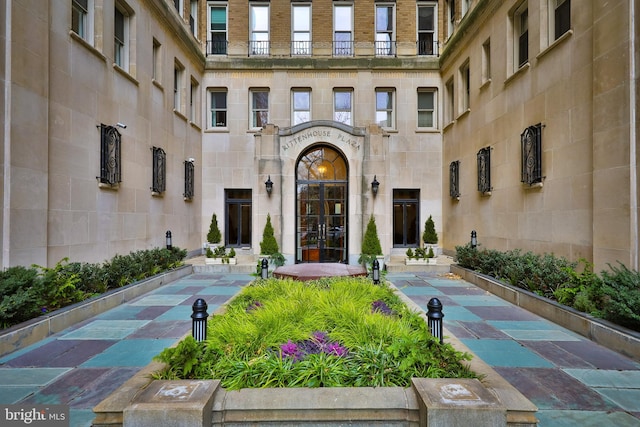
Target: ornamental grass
pixel 337 332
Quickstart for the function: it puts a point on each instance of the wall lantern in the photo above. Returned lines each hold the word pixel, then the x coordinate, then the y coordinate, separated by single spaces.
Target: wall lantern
pixel 268 184
pixel 474 239
pixel 168 240
pixel 374 186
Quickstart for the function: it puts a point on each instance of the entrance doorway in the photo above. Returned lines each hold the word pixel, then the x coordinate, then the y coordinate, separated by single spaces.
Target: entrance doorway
pixel 405 218
pixel 321 208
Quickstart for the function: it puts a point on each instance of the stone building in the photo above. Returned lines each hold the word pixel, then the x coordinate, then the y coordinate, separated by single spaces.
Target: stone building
pixel 319 114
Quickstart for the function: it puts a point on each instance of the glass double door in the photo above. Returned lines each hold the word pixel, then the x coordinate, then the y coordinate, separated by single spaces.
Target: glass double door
pixel 321 222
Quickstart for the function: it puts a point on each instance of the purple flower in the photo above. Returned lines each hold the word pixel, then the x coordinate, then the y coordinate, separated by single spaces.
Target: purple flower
pixel 380 306
pixel 44 309
pixel 254 306
pixel 336 349
pixel 318 343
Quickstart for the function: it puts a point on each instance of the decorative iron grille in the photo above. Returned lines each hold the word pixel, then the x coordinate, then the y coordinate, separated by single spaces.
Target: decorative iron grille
pixel 531 141
pixel 484 170
pixel 110 173
pixel 189 173
pixel 159 170
pixel 454 179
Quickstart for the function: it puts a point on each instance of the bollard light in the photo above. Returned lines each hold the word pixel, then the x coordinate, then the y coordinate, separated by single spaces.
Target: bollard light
pixel 434 318
pixel 199 316
pixel 474 239
pixel 168 240
pixel 264 272
pixel 376 272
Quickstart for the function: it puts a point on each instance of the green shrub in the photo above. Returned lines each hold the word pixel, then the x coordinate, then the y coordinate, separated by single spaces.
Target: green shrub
pixel 619 297
pixel 214 236
pixel 429 236
pixel 21 295
pixel 269 244
pixel 370 243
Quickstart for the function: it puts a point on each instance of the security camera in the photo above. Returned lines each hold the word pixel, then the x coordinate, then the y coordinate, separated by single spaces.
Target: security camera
pixel 121 125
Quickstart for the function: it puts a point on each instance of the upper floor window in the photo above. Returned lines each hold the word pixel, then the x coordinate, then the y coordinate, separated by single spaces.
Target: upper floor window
pixel 427 108
pixel 259 107
pixel 301 102
pixel 486 61
pixel 465 87
pixel 82 19
pixel 560 17
pixel 385 116
pixel 449 105
pixel 521 35
pixel 385 30
pixel 427 36
pixel 178 5
pixel 121 37
pixel 300 29
pixel 259 29
pixel 343 106
pixel 178 76
pixel 194 101
pixel 451 16
pixel 218 108
pixel 156 52
pixel 217 43
pixel 466 5
pixel 342 29
pixel 193 18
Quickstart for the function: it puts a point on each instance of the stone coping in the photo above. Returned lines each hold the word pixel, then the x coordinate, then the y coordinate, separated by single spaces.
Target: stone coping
pixel 607 334
pixel 30 332
pixel 342 405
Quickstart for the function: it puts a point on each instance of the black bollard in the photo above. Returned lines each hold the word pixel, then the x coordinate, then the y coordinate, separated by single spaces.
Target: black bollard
pixel 199 316
pixel 434 318
pixel 167 237
pixel 264 272
pixel 376 272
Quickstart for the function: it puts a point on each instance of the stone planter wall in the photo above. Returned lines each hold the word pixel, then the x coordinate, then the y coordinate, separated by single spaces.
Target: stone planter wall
pixel 605 333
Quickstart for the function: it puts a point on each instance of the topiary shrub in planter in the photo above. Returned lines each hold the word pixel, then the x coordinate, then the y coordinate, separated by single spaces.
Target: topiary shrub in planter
pixel 371 247
pixel 214 236
pixel 429 236
pixel 269 245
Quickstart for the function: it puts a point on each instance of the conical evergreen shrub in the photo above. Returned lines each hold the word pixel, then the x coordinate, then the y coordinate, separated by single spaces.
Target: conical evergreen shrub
pixel 370 243
pixel 214 236
pixel 430 236
pixel 268 245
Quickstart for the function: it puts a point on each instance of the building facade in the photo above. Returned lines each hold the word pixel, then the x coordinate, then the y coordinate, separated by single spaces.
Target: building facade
pixel 512 118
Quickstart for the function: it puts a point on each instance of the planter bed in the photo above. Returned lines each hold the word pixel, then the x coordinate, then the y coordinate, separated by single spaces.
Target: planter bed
pixel 607 334
pixel 34 330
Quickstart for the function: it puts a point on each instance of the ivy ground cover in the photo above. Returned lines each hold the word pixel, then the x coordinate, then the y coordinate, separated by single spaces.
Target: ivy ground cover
pixel 337 332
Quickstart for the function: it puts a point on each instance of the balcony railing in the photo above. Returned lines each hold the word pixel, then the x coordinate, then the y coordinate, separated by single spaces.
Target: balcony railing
pixel 342 48
pixel 301 48
pixel 217 47
pixel 427 48
pixel 258 48
pixel 385 48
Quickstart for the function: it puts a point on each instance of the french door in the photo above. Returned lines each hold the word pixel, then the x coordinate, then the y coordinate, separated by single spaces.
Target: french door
pixel 321 211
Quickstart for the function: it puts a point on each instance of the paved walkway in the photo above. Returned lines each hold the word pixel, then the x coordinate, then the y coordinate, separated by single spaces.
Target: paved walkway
pixel 572 380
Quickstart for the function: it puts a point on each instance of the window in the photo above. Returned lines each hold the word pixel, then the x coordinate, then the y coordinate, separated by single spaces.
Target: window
pixel 454 179
pixel 451 17
pixel 465 87
pixel 448 111
pixel 218 108
pixel 343 106
pixel 385 30
pixel 159 178
pixel 121 37
pixel 189 180
pixel 301 103
pixel 426 108
pixel 193 18
pixel 237 218
pixel 217 43
pixel 157 61
pixel 531 150
pixel 110 160
pixel 194 101
pixel 259 108
pixel 259 29
pixel 82 19
pixel 484 170
pixel 384 108
pixel 486 61
pixel 343 29
pixel 466 5
pixel 521 36
pixel 301 29
pixel 178 76
pixel 178 5
pixel 427 37
pixel 406 214
pixel 560 17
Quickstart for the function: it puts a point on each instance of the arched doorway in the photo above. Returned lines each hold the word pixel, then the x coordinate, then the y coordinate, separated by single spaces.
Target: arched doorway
pixel 321 208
